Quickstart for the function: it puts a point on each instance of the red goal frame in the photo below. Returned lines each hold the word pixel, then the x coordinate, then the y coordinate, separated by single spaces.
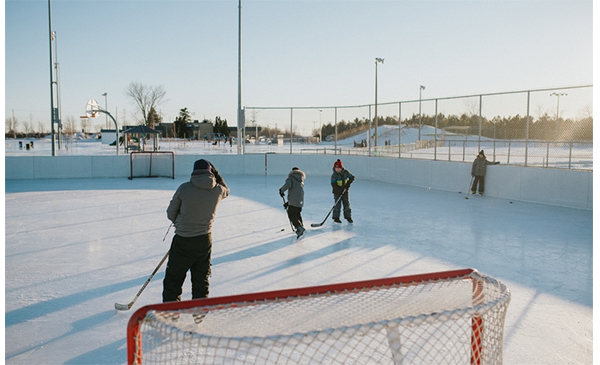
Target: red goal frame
pixel 134 340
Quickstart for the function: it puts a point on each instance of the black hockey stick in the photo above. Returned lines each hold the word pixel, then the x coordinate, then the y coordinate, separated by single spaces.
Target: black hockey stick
pixel 330 210
pixel 126 307
pixel 285 206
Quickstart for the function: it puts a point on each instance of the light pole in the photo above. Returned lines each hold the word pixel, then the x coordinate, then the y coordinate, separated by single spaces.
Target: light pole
pixel 421 88
pixel 377 60
pixel 105 108
pixel 320 126
pixel 558 95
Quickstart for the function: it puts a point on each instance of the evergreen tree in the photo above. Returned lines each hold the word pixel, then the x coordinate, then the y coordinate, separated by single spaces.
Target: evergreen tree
pixel 181 121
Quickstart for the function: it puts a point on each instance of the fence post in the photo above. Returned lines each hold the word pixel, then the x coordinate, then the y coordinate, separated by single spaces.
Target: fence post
pixel 435 132
pixel 399 130
pixel 527 129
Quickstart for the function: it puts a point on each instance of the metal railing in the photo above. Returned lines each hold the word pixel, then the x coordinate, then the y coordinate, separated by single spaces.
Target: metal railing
pixel 550 128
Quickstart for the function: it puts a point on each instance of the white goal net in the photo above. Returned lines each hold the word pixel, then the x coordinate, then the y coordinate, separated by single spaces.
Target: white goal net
pixel 454 317
pixel 151 164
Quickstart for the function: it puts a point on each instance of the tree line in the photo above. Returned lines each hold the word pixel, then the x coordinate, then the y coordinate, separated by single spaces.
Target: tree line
pixel 546 127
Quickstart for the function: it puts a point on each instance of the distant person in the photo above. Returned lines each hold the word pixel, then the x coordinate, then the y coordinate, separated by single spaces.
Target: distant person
pixel 340 183
pixel 478 171
pixel 294 184
pixel 192 211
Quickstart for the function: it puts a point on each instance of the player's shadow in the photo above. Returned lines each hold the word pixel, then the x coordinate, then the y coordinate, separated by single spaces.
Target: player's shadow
pixel 115 350
pixel 41 309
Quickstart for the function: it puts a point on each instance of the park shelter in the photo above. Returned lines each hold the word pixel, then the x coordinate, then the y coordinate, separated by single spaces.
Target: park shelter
pixel 135 139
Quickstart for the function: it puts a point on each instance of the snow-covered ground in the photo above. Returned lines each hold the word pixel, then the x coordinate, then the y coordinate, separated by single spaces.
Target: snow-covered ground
pixel 75 247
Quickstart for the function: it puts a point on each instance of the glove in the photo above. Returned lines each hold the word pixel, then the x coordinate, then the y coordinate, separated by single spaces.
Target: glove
pixel 281 194
pixel 497 162
pixel 285 205
pixel 350 182
pixel 216 174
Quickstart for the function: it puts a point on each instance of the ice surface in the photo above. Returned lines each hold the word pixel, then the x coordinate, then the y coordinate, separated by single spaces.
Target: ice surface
pixel 75 247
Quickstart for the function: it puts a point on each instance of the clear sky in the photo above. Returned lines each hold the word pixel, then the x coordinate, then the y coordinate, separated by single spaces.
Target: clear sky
pixel 294 53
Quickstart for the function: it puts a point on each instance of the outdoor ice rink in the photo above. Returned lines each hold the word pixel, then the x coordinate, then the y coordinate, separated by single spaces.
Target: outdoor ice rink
pixel 75 247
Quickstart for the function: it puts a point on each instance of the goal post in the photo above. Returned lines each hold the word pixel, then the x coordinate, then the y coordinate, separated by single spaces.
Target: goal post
pixel 450 317
pixel 151 164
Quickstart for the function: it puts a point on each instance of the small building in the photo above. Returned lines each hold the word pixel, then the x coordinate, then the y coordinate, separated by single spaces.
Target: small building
pixel 135 139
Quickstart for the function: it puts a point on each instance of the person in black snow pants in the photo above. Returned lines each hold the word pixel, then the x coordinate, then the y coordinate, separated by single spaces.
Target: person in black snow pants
pixel 192 211
pixel 294 184
pixel 340 184
pixel 478 171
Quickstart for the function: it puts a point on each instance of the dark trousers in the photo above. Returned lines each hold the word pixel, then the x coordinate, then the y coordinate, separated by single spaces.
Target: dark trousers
pixel 345 201
pixel 188 253
pixel 478 180
pixel 295 216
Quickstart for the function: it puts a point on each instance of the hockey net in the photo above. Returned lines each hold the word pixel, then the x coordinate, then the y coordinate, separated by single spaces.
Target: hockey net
pixel 453 317
pixel 151 164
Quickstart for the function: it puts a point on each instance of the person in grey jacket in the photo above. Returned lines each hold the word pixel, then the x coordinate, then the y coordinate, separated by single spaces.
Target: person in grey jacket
pixel 294 184
pixel 478 171
pixel 192 212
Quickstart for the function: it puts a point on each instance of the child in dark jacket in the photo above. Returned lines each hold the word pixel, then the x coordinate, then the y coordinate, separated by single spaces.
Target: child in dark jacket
pixel 340 184
pixel 478 171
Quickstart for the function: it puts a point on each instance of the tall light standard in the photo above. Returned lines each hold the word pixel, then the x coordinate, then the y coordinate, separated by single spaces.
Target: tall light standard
pixel 320 126
pixel 421 88
pixel 240 112
pixel 53 109
pixel 558 95
pixel 377 60
pixel 105 108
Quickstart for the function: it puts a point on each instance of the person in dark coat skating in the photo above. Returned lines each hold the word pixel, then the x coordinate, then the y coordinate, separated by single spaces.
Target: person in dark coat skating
pixel 478 171
pixel 294 184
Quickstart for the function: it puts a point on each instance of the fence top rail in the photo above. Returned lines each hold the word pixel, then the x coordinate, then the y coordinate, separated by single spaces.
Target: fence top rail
pixel 417 100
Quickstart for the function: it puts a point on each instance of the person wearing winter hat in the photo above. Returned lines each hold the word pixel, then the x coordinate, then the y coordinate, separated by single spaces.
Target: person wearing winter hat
pixel 478 170
pixel 340 184
pixel 192 212
pixel 294 184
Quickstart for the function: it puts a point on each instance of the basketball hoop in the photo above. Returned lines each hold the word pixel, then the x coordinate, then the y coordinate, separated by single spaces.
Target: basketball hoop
pixel 92 108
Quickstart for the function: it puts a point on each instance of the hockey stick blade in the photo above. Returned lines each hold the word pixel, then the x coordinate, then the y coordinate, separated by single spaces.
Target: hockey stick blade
pixel 123 307
pixel 331 210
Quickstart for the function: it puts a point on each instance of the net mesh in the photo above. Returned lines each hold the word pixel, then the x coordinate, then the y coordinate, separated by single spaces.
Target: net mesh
pixel 152 164
pixel 451 321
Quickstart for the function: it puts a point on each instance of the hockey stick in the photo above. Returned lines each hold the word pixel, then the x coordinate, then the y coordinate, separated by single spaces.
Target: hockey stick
pixel 330 210
pixel 285 205
pixel 469 189
pixel 125 307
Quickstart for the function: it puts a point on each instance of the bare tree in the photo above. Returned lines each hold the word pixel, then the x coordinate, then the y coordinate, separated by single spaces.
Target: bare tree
pixel 11 125
pixel 41 128
pixel 146 98
pixel 28 127
pixel 69 127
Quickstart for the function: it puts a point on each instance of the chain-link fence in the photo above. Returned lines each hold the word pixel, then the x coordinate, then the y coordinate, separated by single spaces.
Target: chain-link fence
pixel 550 128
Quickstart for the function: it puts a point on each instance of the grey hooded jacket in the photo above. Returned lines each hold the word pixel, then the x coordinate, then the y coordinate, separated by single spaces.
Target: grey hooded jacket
pixel 295 184
pixel 193 206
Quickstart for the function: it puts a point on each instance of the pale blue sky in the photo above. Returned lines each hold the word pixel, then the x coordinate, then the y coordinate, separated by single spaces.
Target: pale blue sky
pixel 294 53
